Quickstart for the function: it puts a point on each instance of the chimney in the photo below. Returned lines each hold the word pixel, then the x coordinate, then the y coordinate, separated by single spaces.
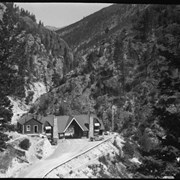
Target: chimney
pixel 55 130
pixel 91 126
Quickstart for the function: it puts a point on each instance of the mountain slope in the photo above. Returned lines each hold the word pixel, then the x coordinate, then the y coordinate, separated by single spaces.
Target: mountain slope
pixel 32 56
pixel 132 76
pixel 52 28
pixel 102 24
pixel 125 69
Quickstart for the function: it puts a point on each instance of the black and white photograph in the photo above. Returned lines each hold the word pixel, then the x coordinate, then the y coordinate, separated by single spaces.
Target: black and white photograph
pixel 89 90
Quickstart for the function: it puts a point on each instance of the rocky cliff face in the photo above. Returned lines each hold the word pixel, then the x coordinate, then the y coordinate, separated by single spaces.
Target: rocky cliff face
pixel 41 55
pixel 78 91
pixel 43 59
pixel 93 83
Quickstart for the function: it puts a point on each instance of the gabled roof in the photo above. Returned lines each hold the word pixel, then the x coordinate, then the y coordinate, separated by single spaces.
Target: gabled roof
pixel 100 121
pixel 62 122
pixel 81 125
pixel 26 117
pixel 34 121
pixel 82 120
pixel 49 119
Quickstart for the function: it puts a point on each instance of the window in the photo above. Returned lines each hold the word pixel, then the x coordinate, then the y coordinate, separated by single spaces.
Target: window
pixel 61 135
pixel 48 129
pixel 28 127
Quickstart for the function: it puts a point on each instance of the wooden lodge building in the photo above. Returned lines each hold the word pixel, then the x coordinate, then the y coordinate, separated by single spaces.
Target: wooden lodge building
pixel 56 127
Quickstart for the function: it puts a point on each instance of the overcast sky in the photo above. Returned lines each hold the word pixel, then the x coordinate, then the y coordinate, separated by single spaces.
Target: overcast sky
pixel 61 14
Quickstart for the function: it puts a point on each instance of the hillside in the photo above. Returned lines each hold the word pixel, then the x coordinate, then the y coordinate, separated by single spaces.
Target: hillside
pixel 31 59
pixel 105 23
pixel 52 28
pixel 124 65
pixel 16 157
pixel 134 69
pixel 37 55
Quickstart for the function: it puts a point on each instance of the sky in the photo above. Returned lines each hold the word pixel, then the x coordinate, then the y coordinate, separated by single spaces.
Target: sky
pixel 61 14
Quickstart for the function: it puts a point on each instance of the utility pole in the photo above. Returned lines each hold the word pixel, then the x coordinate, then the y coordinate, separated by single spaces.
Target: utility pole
pixel 113 112
pixel 91 123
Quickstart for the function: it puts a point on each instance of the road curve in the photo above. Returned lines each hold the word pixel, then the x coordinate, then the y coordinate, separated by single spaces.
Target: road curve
pixel 65 150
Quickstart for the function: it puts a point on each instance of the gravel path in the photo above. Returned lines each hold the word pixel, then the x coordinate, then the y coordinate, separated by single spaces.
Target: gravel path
pixel 65 150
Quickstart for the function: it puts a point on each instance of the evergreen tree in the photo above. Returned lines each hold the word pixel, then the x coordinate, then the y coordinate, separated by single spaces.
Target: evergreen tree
pixel 119 60
pixel 8 62
pixel 161 69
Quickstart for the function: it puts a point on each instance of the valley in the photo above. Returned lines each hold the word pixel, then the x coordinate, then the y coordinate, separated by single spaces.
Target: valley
pixel 114 72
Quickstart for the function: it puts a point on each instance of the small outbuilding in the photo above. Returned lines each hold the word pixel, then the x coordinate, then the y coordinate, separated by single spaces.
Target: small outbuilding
pixel 30 124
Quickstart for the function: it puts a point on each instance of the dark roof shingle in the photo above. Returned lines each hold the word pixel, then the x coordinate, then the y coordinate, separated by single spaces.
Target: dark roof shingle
pixel 62 122
pixel 26 117
pixel 49 119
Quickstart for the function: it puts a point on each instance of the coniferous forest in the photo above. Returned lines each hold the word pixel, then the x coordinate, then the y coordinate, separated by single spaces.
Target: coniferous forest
pixel 127 58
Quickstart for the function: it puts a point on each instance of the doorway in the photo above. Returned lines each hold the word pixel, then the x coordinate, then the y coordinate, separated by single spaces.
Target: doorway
pixel 35 129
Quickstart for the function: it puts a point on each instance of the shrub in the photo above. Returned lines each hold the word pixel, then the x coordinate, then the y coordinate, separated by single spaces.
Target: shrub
pixel 10 127
pixel 103 160
pixel 115 144
pixel 29 97
pixel 24 144
pixel 128 149
pixel 6 160
pixel 151 166
pixel 145 142
pixel 102 172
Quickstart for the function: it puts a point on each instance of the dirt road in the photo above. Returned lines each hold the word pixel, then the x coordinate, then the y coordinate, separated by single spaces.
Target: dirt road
pixel 65 150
